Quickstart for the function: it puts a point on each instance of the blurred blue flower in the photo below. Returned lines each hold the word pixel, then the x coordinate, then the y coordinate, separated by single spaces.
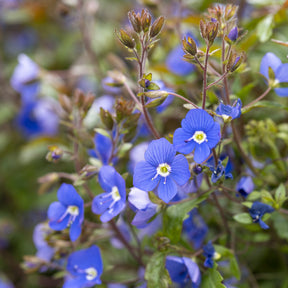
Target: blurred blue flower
pixel 85 268
pixel 116 285
pixel 136 155
pixel 199 132
pixel 245 186
pixel 233 34
pixel 161 168
pixel 107 84
pixel 24 79
pixel 175 62
pixel 5 283
pixel 103 148
pixel 220 170
pixel 125 231
pixel 227 111
pixel 68 212
pixel 44 251
pixel 195 228
pixel 143 207
pixel 209 253
pixel 270 60
pixel 183 270
pixel 112 202
pixel 257 211
pixel 38 118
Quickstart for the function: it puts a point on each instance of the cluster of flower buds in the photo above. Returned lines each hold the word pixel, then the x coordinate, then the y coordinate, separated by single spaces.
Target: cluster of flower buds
pixel 209 31
pixel 223 14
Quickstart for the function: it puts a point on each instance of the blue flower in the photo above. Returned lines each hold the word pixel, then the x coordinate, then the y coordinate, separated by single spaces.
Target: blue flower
pixel 103 148
pixel 257 211
pixel 175 62
pixel 209 253
pixel 220 170
pixel 195 228
pixel 199 132
pixel 85 268
pixel 5 283
pixel 44 251
pixel 23 78
pixel 183 270
pixel 233 34
pixel 245 186
pixel 145 209
pixel 136 155
pixel 227 111
pixel 69 211
pixel 161 168
pixel 270 60
pixel 111 203
pixel 38 118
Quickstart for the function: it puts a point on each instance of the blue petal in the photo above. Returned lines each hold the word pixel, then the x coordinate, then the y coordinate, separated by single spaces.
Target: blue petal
pixel 177 269
pixel 101 204
pixel 110 214
pixel 68 195
pixel 77 282
pixel 107 178
pixel 193 271
pixel 141 217
pixel 103 146
pixel 213 135
pixel 55 211
pixel 139 198
pixel 263 224
pixel 160 151
pixel 282 73
pixel 180 170
pixel 201 153
pixel 179 143
pixel 143 175
pixel 120 184
pixel 282 92
pixel 197 120
pixel 269 60
pixel 167 190
pixel 75 230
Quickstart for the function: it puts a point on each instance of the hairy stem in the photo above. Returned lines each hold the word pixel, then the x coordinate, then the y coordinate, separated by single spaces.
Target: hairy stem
pixel 205 77
pixel 258 99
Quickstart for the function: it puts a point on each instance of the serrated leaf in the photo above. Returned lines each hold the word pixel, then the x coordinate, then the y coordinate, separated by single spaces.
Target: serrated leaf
pixel 212 279
pixel 243 218
pixel 156 273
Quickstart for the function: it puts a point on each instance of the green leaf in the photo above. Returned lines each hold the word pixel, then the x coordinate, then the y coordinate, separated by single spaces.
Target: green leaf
pixel 155 102
pixel 153 86
pixel 102 132
pixel 212 279
pixel 234 268
pixel 267 198
pixel 280 225
pixel 280 195
pixel 156 273
pixel 247 204
pixel 264 104
pixel 243 218
pixel 175 214
pixel 265 27
pixel 254 196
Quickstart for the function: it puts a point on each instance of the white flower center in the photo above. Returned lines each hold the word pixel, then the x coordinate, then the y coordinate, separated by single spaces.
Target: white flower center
pixel 163 170
pixel 115 194
pixel 73 210
pixel 199 137
pixel 91 273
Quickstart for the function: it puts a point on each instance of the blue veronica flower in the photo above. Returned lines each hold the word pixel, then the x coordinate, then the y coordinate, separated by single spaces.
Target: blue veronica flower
pixel 195 228
pixel 112 202
pixel 227 111
pixel 85 268
pixel 209 253
pixel 245 186
pixel 23 76
pixel 220 170
pixel 270 60
pixel 161 168
pixel 257 211
pixel 183 270
pixel 143 207
pixel 44 251
pixel 38 118
pixel 233 34
pixel 68 212
pixel 199 132
pixel 175 62
pixel 103 148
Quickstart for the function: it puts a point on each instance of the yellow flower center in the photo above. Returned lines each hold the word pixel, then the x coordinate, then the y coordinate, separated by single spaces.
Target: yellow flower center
pixel 199 137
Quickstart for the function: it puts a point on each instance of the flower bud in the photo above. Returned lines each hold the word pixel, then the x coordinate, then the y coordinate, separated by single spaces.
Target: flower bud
pixel 189 46
pixel 157 26
pixel 55 153
pixel 145 20
pixel 106 118
pixel 126 39
pixel 135 21
pixel 65 103
pixel 233 34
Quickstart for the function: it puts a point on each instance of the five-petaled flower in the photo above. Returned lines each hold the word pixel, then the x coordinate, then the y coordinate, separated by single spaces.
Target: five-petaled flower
pixel 199 132
pixel 161 168
pixel 183 270
pixel 257 211
pixel 68 212
pixel 111 203
pixel 85 268
pixel 270 60
pixel 228 111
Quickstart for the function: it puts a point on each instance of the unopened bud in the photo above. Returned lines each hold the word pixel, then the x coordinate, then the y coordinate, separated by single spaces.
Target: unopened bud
pixel 203 29
pixel 212 31
pixel 135 21
pixel 126 39
pixel 233 34
pixel 189 46
pixel 106 118
pixel 88 101
pixel 79 98
pixel 157 26
pixel 65 103
pixel 55 153
pixel 145 20
pixel 154 94
pixel 88 172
